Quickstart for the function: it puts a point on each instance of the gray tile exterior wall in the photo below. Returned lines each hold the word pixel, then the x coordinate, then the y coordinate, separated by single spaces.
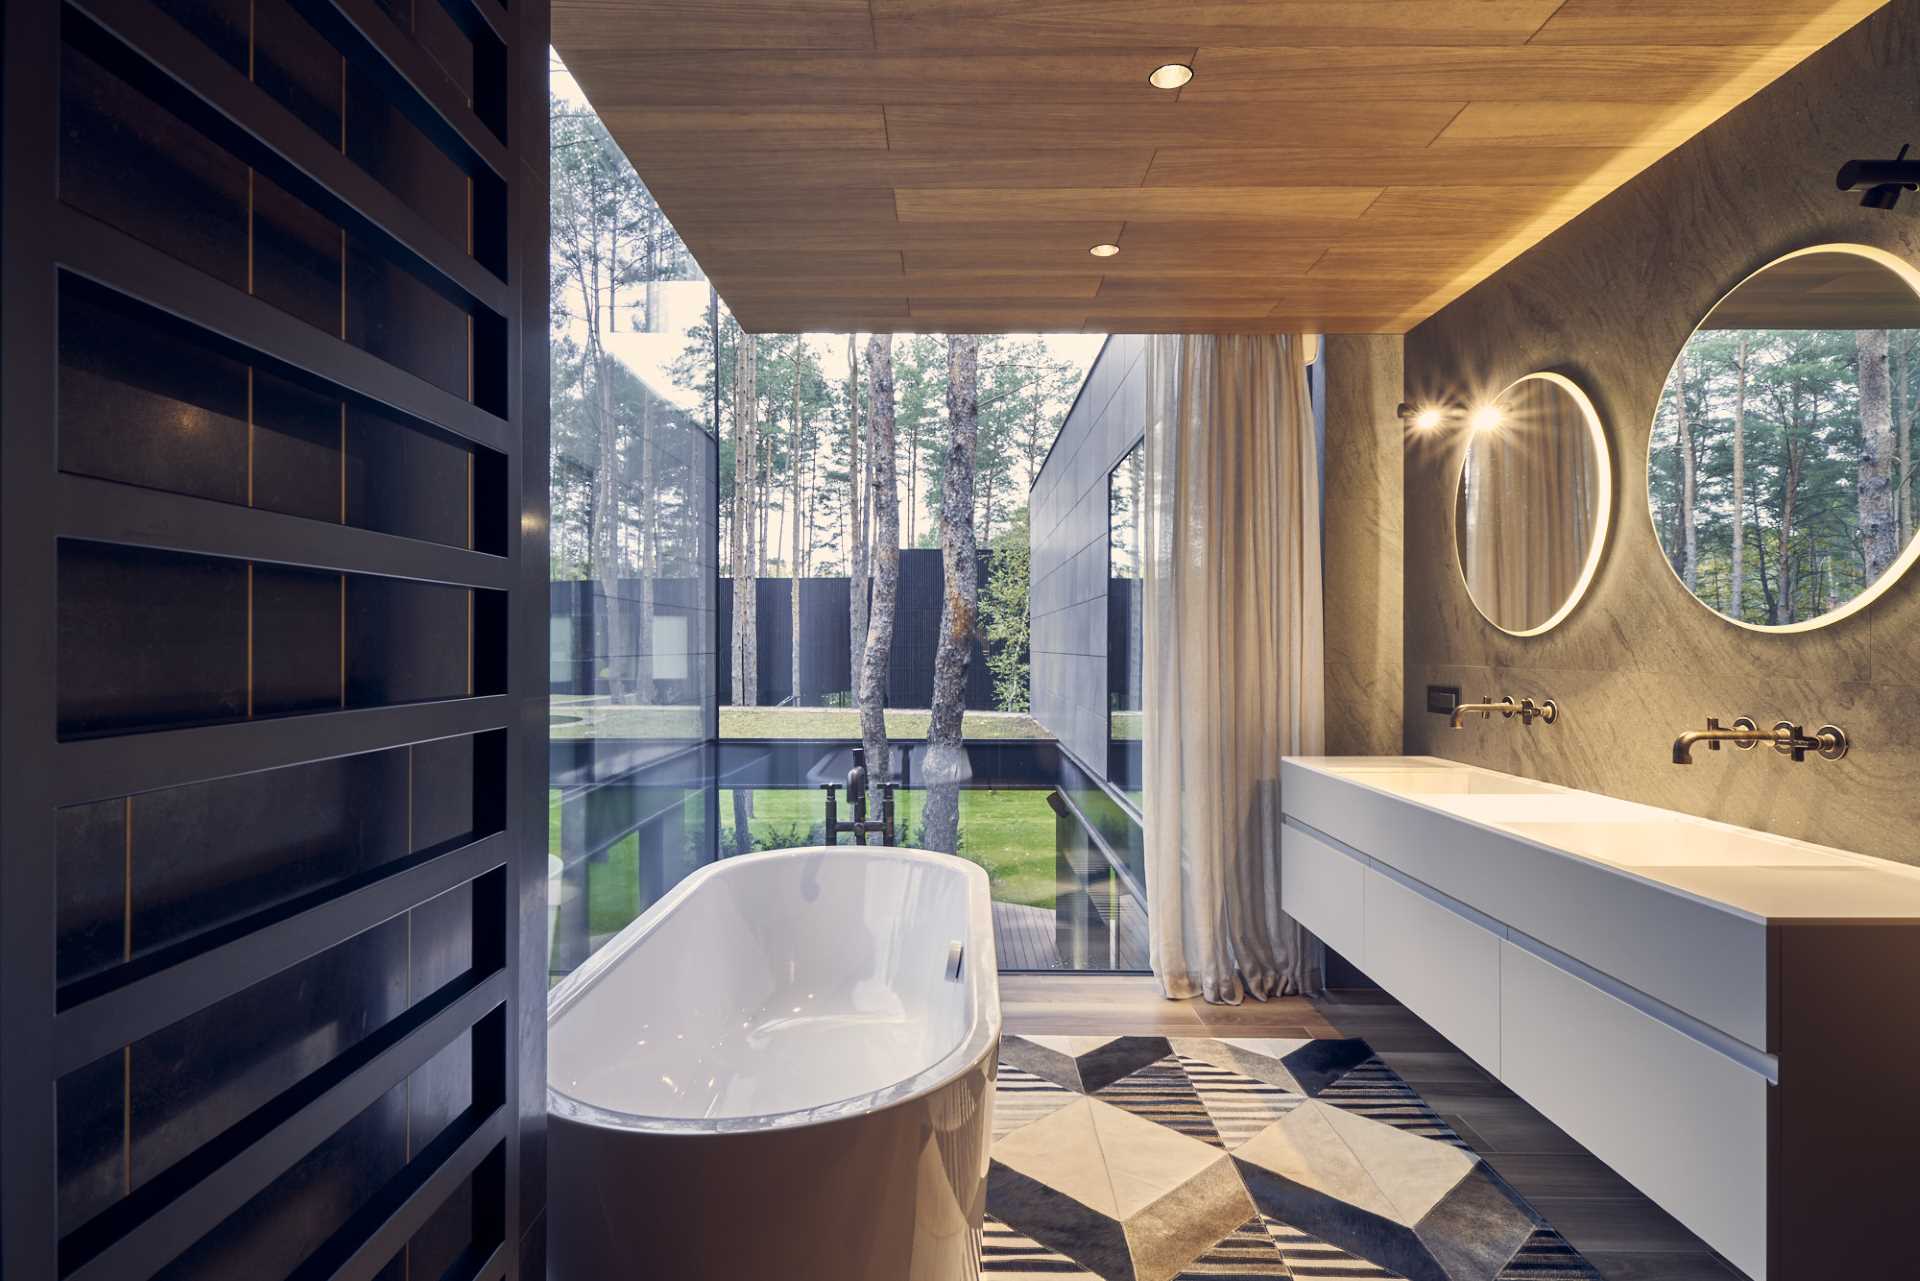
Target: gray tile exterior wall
pixel 1068 506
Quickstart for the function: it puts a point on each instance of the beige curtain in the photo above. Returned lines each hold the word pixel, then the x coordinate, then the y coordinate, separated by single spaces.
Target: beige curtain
pixel 1233 657
pixel 1526 507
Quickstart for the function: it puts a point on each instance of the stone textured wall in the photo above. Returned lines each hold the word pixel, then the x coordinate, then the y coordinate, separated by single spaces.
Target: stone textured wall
pixel 1608 301
pixel 1361 553
pixel 1068 508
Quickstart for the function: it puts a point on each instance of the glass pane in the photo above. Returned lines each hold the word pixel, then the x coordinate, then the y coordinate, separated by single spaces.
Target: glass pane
pixel 1126 620
pixel 713 539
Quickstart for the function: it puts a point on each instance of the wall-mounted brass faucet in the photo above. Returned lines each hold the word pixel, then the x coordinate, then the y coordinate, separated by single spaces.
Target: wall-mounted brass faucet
pixel 1526 709
pixel 1829 741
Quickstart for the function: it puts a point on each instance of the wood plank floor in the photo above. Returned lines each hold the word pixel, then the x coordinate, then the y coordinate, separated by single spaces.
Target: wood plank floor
pixel 1623 1234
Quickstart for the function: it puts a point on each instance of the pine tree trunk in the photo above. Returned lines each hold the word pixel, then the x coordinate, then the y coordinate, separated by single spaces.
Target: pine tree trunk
pixel 1689 538
pixel 1740 486
pixel 794 435
pixel 1879 523
pixel 885 502
pixel 746 620
pixel 607 506
pixel 913 483
pixel 1789 490
pixel 946 763
pixel 1906 441
pixel 763 491
pixel 856 528
pixel 643 691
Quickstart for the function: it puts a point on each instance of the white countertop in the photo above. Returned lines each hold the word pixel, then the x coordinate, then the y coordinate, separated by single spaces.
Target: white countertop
pixel 1758 874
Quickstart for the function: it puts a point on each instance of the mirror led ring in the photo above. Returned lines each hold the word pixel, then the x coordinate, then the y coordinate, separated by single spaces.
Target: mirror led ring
pixel 1908 275
pixel 1603 503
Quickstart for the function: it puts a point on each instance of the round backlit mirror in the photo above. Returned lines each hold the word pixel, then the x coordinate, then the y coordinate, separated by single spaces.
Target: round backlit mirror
pixel 1778 472
pixel 1535 490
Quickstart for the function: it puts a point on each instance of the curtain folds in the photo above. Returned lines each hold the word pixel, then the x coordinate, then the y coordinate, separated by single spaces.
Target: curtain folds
pixel 1233 657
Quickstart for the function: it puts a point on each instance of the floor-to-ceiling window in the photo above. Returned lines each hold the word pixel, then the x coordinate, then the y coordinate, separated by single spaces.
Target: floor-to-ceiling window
pixel 632 621
pixel 712 518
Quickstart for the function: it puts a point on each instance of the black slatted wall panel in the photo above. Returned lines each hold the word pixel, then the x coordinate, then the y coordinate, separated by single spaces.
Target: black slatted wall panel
pixel 272 558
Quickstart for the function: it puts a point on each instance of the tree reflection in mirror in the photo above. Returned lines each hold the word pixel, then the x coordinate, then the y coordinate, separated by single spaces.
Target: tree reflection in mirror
pixel 1779 469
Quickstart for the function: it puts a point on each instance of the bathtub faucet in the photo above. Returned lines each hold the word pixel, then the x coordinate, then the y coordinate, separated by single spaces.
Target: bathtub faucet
pixel 859 826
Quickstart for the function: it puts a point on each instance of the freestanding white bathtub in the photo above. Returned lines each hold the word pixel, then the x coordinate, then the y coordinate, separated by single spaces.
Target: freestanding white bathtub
pixel 785 1068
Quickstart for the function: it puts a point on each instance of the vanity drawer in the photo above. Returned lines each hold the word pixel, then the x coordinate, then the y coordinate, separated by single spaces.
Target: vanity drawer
pixel 1683 1123
pixel 1436 962
pixel 1321 887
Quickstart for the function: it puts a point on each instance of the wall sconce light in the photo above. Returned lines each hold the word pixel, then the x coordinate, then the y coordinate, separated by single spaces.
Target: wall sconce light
pixel 1431 416
pixel 1426 417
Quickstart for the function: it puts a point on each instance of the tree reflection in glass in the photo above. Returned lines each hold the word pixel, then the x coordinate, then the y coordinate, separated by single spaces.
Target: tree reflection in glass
pixel 1126 660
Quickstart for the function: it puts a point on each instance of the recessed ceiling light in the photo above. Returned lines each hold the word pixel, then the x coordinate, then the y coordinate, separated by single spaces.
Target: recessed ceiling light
pixel 1170 76
pixel 1104 250
pixel 1486 418
pixel 1427 419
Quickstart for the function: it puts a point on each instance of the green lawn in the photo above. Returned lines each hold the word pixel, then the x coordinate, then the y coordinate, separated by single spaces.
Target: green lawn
pixel 1009 833
pixel 613 896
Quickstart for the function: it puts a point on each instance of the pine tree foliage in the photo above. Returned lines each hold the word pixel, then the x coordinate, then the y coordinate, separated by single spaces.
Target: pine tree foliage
pixel 1822 424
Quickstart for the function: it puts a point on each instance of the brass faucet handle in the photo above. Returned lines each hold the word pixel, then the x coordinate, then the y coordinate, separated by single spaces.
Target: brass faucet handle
pixel 1530 711
pixel 1791 740
pixel 1829 742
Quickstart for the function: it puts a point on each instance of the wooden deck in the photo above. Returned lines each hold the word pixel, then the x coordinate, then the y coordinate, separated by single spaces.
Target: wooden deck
pixel 1025 939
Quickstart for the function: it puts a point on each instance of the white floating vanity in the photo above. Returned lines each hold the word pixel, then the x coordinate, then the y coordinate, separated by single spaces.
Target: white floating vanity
pixel 1700 1005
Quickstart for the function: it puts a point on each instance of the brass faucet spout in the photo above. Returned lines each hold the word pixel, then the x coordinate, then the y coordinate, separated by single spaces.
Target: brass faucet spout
pixel 1486 709
pixel 1743 734
pixel 1830 742
pixel 1526 709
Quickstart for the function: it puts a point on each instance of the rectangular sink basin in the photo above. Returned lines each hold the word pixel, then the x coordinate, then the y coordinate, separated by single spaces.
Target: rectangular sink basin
pixel 1512 809
pixel 1447 782
pixel 1673 843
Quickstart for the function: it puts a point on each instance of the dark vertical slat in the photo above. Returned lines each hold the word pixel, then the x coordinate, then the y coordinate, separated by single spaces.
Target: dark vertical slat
pixel 494 1011
pixel 28 88
pixel 523 1167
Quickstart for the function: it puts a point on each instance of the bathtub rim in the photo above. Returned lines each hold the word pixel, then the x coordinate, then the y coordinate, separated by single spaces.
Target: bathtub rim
pixel 981 1041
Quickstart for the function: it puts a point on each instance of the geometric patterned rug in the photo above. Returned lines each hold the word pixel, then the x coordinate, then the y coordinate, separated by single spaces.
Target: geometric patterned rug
pixel 1148 1158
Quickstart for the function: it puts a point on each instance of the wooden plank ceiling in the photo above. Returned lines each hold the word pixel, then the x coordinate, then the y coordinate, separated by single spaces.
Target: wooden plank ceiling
pixel 1335 165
